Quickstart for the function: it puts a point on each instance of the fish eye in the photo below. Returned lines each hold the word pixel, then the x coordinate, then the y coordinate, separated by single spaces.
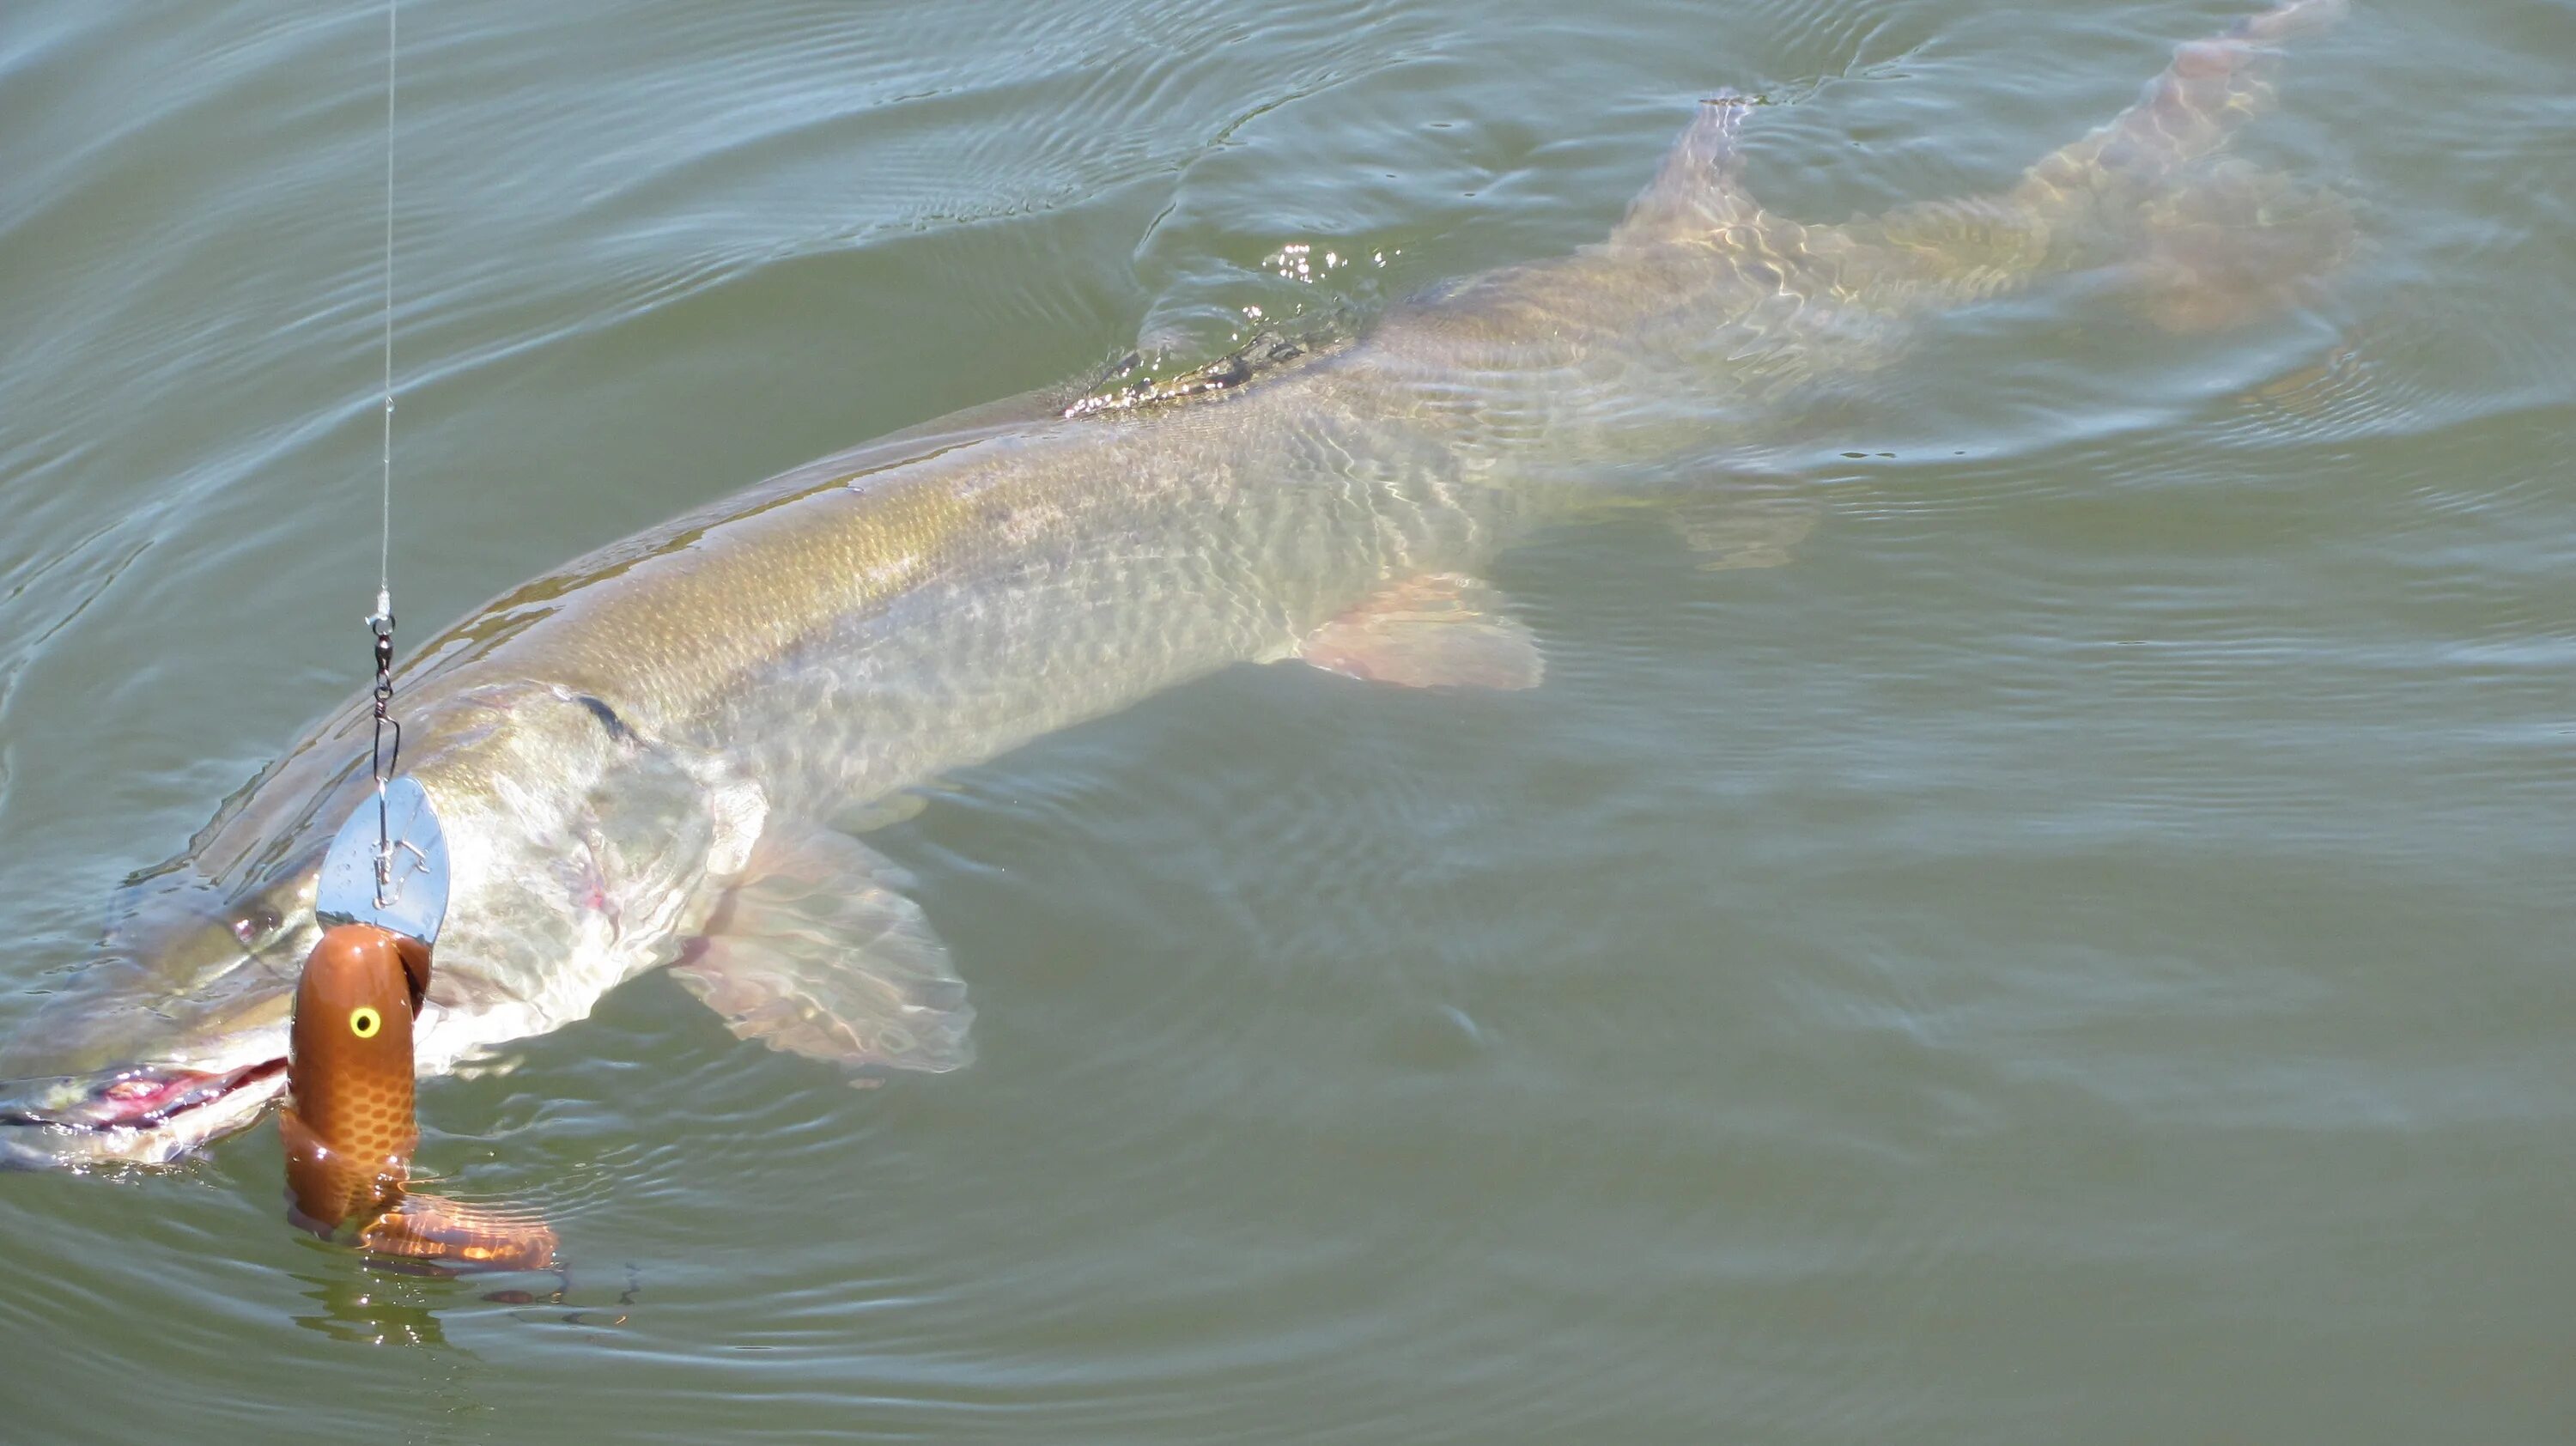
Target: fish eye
pixel 364 1021
pixel 255 925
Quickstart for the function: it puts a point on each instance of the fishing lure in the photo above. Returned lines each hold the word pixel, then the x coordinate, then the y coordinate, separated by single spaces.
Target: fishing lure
pixel 350 1128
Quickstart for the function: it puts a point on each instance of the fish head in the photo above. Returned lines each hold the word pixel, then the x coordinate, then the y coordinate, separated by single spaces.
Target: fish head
pixel 173 1032
pixel 579 849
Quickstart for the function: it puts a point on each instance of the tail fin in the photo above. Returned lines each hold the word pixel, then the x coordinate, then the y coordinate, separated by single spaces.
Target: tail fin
pixel 2212 88
pixel 2206 239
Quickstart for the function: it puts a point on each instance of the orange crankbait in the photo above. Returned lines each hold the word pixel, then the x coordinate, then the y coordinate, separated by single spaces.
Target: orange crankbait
pixel 349 1126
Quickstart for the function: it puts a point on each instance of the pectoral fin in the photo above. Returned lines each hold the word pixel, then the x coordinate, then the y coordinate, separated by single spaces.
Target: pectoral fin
pixel 1439 630
pixel 815 953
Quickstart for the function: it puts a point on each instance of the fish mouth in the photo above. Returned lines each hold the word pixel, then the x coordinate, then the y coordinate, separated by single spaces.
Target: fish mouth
pixel 147 1115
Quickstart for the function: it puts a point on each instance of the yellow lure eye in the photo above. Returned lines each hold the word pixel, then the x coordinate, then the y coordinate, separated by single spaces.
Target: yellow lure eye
pixel 364 1022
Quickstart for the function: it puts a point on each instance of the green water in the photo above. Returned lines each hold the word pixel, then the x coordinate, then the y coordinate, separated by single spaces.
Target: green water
pixel 2080 953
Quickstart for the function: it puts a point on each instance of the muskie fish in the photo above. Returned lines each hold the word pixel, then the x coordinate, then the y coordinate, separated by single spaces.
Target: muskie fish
pixel 640 760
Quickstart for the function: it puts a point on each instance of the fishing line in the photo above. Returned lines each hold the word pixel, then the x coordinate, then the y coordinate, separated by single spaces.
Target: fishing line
pixel 385 547
pixel 381 622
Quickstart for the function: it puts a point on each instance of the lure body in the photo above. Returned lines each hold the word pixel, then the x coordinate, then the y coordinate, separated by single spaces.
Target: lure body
pixel 349 1125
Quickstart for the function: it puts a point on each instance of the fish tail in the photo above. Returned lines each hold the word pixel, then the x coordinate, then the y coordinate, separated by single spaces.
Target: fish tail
pixel 2149 189
pixel 2212 88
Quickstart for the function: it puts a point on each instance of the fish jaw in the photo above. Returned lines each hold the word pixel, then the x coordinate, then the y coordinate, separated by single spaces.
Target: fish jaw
pixel 95 1079
pixel 158 1114
pixel 145 1115
pixel 172 1034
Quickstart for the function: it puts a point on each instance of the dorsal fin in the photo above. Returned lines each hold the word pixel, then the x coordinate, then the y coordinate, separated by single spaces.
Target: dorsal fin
pixel 1134 382
pixel 1699 189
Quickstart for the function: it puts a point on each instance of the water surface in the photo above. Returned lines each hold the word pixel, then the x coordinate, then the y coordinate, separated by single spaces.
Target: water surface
pixel 2079 953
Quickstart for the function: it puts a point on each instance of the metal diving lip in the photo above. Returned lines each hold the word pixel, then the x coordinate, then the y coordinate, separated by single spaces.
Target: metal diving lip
pixel 412 899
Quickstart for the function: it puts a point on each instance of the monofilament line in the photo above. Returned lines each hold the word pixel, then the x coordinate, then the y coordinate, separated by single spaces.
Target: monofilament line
pixel 385 534
pixel 382 624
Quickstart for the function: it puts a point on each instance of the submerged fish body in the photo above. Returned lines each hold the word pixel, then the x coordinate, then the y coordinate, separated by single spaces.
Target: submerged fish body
pixel 640 760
